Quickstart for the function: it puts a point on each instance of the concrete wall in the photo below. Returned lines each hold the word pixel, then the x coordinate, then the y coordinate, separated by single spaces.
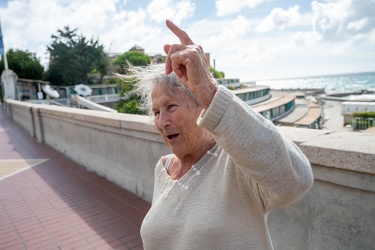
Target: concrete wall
pixel 338 213
pixel 123 148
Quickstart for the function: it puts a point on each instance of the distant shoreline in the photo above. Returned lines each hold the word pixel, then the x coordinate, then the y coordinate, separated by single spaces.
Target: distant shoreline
pixel 341 96
pixel 309 91
pixel 329 83
pixel 316 76
pixel 330 105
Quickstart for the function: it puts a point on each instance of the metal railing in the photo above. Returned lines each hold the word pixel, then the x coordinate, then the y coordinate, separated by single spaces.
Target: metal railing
pixel 361 123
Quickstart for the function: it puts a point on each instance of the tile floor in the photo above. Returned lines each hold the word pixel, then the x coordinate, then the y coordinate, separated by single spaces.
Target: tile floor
pixel 49 202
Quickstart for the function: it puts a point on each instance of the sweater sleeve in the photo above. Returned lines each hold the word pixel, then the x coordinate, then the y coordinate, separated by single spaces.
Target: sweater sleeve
pixel 277 168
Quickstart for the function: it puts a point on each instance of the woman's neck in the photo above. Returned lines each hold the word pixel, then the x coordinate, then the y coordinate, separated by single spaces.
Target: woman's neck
pixel 181 164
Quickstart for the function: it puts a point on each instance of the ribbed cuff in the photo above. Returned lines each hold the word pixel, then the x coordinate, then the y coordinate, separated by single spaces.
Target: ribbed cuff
pixel 210 118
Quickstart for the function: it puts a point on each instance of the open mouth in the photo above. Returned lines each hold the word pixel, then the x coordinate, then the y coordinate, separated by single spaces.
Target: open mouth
pixel 170 137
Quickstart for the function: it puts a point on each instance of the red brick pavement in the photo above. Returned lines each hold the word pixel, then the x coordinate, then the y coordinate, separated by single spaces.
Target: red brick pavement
pixel 48 201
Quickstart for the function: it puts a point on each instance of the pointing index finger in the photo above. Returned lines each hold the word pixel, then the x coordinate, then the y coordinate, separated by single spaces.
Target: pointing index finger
pixel 182 35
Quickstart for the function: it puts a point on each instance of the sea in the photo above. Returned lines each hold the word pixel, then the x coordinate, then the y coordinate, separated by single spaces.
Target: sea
pixel 330 83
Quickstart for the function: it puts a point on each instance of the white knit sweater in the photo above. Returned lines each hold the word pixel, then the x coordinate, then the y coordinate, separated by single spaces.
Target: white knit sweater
pixel 223 202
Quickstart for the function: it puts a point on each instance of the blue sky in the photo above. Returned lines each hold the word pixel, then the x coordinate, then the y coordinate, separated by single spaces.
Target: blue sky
pixel 247 39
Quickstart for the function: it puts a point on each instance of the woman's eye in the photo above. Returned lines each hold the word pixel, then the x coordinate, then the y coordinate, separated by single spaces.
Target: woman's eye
pixel 172 107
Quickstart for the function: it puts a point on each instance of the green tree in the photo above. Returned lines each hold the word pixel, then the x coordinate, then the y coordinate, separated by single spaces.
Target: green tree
pixel 73 56
pixel 131 104
pixel 216 74
pixel 24 63
pixel 136 58
pixel 102 66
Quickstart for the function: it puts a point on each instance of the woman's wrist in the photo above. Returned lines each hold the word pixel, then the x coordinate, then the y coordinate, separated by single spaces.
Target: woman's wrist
pixel 206 95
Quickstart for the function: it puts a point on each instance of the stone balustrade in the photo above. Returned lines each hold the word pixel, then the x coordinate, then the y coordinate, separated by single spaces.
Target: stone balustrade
pixel 338 213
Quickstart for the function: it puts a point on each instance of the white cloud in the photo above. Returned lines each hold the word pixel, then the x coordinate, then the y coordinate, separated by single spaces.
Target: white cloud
pixel 279 18
pixel 340 20
pixel 227 7
pixel 159 10
pixel 346 29
pixel 233 30
pixel 293 40
pixel 306 39
pixel 328 17
pixel 117 29
pixel 357 25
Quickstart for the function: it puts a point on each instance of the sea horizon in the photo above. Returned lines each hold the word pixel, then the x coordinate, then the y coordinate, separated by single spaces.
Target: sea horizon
pixel 316 76
pixel 339 82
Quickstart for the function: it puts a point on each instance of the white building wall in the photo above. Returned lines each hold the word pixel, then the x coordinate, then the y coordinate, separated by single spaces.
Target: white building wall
pixel 348 108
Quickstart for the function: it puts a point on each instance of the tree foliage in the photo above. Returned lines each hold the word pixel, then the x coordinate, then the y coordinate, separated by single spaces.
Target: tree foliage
pixel 24 63
pixel 130 106
pixel 135 58
pixel 73 56
pixel 364 114
pixel 217 74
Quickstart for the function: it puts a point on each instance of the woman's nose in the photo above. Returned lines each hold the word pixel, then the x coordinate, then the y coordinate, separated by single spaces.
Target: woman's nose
pixel 164 119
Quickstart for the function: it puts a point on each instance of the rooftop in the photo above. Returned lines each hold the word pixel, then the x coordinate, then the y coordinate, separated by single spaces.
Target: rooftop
pixel 274 102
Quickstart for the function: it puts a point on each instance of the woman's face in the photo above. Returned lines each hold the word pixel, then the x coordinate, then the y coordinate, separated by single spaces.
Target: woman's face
pixel 176 116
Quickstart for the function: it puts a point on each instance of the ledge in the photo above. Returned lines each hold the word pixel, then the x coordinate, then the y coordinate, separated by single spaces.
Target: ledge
pixel 342 150
pixel 116 120
pixel 346 150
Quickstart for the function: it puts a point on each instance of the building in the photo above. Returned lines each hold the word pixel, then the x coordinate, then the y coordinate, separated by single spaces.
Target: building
pixel 348 108
pixel 137 48
pixel 253 94
pixel 282 108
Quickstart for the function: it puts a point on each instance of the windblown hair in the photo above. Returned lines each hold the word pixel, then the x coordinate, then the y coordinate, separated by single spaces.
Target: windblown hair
pixel 147 78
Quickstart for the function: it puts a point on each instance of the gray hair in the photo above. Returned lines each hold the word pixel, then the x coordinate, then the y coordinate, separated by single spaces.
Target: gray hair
pixel 148 77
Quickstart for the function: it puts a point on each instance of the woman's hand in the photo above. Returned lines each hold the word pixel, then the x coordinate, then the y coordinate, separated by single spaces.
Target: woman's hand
pixel 189 63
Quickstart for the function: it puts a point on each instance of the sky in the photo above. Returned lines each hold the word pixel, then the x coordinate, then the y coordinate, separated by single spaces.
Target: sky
pixel 247 39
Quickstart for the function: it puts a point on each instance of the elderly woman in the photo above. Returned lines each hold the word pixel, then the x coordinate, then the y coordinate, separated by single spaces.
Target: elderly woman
pixel 229 166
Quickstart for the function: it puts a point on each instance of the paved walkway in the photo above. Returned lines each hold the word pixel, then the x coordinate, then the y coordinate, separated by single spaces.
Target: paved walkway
pixel 49 202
